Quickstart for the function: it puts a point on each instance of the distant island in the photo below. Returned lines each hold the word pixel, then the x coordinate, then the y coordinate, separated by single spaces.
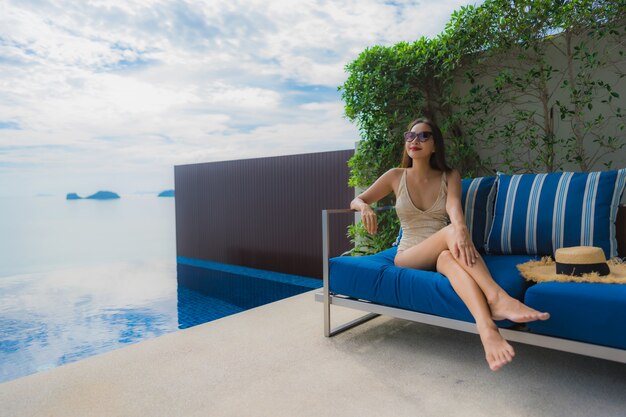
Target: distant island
pixel 167 193
pixel 103 195
pixel 100 195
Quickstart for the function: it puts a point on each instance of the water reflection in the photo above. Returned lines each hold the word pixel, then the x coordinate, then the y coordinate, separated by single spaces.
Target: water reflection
pixel 49 319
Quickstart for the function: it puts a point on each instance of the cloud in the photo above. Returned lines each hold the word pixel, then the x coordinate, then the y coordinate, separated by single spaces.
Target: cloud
pixel 147 84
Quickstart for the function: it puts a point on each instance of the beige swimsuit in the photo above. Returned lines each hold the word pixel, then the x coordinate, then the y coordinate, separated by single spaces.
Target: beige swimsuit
pixel 417 224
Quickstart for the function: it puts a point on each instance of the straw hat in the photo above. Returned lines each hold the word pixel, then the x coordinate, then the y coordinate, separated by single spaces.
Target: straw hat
pixel 578 264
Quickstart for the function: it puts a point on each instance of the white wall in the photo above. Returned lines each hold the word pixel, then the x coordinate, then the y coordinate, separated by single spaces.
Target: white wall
pixel 562 128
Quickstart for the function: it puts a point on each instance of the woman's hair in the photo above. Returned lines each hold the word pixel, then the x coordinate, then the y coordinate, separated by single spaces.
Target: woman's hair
pixel 438 159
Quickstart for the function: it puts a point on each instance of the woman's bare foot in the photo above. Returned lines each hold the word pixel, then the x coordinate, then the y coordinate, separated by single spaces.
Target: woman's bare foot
pixel 498 352
pixel 503 306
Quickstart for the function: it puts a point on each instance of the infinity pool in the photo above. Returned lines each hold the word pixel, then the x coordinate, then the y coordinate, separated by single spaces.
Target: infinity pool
pixel 50 319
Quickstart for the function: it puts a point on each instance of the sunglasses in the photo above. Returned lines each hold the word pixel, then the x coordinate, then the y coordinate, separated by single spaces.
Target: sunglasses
pixel 421 136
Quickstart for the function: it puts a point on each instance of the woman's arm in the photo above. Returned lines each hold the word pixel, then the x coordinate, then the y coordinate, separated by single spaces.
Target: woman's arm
pixel 463 245
pixel 382 187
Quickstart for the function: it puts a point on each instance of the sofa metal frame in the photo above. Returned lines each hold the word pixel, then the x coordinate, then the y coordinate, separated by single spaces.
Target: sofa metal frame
pixel 374 310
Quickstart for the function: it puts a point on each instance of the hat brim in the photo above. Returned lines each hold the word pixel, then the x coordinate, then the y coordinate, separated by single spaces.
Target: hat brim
pixel 545 270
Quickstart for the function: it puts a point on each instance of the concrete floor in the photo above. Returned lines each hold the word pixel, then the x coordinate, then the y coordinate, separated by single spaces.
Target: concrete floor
pixel 274 361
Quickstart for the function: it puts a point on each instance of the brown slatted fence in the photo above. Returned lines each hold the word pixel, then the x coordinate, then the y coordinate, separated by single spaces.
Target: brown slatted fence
pixel 263 213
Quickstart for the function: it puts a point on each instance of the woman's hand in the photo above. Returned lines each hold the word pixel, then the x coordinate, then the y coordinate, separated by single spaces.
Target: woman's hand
pixel 463 248
pixel 381 187
pixel 368 217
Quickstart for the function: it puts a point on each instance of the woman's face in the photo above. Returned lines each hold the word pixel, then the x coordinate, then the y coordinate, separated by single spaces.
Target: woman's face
pixel 418 149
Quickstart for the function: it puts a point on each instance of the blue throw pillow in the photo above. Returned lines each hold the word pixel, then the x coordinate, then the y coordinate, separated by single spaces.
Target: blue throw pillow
pixel 477 197
pixel 535 214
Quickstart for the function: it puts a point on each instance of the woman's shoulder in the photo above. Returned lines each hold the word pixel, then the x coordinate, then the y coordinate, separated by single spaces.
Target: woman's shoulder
pixel 452 174
pixel 395 172
pixel 393 177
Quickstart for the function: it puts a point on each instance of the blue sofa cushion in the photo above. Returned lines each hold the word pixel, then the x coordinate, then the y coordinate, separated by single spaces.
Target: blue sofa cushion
pixel 536 214
pixel 584 312
pixel 376 279
pixel 477 199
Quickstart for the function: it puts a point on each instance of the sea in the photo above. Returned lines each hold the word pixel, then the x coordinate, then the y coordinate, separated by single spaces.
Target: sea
pixel 83 277
pixel 39 234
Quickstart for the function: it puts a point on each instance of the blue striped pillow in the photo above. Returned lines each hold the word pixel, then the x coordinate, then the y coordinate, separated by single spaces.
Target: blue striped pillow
pixel 535 214
pixel 477 197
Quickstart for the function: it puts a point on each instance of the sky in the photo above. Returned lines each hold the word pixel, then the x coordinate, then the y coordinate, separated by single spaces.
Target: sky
pixel 111 95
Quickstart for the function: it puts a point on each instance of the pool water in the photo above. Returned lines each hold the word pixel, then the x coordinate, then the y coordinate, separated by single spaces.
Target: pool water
pixel 50 319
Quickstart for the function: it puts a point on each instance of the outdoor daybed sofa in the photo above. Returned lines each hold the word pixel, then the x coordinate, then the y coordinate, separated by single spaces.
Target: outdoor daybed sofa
pixel 512 219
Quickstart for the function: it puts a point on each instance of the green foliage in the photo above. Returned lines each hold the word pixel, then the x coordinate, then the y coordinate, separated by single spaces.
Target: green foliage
pixel 541 70
pixel 380 101
pixel 364 244
pixel 494 80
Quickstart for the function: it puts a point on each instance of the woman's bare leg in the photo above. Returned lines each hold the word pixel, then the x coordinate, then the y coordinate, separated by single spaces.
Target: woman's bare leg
pixel 498 351
pixel 424 256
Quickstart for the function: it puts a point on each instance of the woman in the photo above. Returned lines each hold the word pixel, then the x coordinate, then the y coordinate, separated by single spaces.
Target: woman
pixel 435 236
